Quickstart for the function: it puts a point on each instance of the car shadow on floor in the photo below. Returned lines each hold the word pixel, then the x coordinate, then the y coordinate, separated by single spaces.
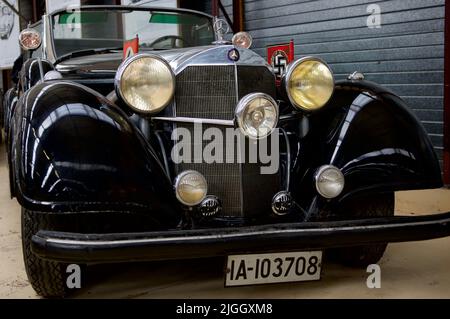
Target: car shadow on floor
pixel 197 278
pixel 146 279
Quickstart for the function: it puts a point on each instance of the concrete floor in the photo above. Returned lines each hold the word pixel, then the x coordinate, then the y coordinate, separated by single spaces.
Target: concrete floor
pixel 409 270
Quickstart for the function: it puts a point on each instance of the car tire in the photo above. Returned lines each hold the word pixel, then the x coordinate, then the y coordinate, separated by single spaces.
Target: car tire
pixel 47 278
pixel 380 205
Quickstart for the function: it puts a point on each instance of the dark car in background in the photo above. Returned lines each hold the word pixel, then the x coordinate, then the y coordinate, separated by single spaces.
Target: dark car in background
pixel 99 150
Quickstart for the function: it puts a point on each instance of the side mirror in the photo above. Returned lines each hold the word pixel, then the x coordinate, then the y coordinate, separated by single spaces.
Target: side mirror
pixel 30 39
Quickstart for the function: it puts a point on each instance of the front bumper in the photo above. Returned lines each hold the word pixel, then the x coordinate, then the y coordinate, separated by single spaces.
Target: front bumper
pixel 179 244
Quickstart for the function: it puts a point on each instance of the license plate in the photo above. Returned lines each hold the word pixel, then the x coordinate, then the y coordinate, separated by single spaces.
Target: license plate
pixel 259 269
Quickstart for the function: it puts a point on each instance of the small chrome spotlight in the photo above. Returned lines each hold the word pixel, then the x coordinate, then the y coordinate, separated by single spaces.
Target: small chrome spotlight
pixel 330 181
pixel 210 206
pixel 191 188
pixel 282 203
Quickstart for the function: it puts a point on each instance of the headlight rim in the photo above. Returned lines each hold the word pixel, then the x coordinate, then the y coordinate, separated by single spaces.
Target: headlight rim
pixel 241 106
pixel 125 64
pixel 290 69
pixel 177 183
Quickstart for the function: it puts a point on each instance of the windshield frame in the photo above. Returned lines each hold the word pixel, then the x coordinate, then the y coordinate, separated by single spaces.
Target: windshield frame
pixel 49 41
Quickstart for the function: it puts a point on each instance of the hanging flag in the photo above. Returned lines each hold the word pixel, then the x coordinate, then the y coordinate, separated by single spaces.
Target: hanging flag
pixel 130 48
pixel 279 56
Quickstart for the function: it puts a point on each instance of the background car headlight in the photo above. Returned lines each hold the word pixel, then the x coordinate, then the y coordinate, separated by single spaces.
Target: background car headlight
pixel 145 83
pixel 330 181
pixel 309 83
pixel 30 39
pixel 257 115
pixel 242 40
pixel 191 188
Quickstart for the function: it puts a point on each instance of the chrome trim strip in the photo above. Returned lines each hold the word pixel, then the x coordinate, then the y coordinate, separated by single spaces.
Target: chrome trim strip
pixel 241 173
pixel 194 120
pixel 41 69
pixel 48 48
pixel 289 117
pixel 130 7
pixel 163 153
pixel 183 67
pixel 95 81
pixel 288 160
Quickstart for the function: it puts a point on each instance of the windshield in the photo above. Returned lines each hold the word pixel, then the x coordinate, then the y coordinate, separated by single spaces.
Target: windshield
pixel 107 28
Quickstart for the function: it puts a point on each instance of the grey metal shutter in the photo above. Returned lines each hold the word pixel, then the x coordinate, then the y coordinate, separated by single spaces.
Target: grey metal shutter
pixel 406 54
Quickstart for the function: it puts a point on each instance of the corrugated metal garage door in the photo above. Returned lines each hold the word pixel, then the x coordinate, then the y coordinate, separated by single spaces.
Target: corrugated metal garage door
pixel 406 54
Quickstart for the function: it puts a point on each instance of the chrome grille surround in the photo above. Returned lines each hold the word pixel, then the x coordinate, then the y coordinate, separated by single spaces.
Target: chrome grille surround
pixel 212 92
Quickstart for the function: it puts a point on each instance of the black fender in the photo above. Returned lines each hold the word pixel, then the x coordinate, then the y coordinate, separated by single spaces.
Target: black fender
pixel 374 138
pixel 9 104
pixel 9 101
pixel 75 151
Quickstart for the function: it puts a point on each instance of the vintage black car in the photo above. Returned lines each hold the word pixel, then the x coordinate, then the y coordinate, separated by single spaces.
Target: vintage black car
pixel 100 152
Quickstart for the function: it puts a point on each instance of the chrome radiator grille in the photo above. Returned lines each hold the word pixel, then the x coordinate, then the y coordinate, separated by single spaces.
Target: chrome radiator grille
pixel 212 92
pixel 207 92
pixel 224 179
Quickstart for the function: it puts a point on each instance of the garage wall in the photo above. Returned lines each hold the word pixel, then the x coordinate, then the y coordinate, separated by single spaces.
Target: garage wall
pixel 406 54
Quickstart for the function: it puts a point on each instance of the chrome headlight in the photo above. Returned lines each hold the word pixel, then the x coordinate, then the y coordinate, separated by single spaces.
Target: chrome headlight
pixel 330 181
pixel 191 188
pixel 145 83
pixel 30 39
pixel 257 115
pixel 309 83
pixel 242 40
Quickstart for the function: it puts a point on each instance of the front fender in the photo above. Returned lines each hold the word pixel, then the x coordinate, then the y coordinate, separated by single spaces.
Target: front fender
pixel 9 101
pixel 374 138
pixel 9 104
pixel 75 151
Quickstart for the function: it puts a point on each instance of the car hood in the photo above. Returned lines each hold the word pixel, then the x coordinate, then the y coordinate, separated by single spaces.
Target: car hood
pixel 177 58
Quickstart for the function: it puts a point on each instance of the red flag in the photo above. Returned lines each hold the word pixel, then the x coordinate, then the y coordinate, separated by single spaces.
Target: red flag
pixel 130 48
pixel 279 56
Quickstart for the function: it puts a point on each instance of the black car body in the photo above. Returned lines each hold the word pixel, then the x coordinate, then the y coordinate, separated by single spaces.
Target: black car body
pixel 102 177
